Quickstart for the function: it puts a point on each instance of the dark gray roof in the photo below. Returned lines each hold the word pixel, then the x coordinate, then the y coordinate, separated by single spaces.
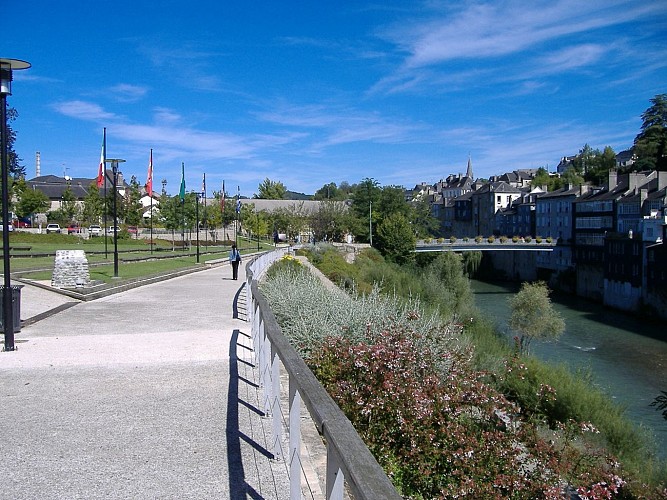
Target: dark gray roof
pixel 54 186
pixel 303 206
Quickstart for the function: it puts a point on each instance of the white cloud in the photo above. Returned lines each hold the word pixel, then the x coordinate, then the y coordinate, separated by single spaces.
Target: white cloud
pixel 125 92
pixel 484 30
pixel 83 110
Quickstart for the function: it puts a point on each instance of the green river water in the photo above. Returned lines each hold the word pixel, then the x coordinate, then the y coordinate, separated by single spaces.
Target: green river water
pixel 627 356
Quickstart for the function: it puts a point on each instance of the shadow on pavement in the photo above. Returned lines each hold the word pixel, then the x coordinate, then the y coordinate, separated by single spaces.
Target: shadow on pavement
pixel 238 486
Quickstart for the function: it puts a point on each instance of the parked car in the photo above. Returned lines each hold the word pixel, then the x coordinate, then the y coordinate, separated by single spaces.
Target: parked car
pixel 73 228
pixel 52 228
pixel 23 222
pixel 95 230
pixel 132 229
pixel 10 227
pixel 111 230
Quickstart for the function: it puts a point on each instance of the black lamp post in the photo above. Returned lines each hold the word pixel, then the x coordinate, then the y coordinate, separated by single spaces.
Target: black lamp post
pixel 114 166
pixel 197 222
pixel 6 67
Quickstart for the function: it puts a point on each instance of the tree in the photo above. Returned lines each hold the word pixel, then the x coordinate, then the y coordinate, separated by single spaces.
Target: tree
pixel 31 201
pixel 392 201
pixel 329 192
pixel 651 143
pixel 445 281
pixel 396 239
pixel 69 206
pixel 601 164
pixel 572 177
pixel 330 222
pixel 271 190
pixel 16 170
pixel 256 222
pixel 171 213
pixel 366 192
pixel 93 206
pixel 533 315
pixel 423 221
pixel 132 203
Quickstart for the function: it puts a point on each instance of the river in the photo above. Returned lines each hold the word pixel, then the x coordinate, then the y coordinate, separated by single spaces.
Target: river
pixel 627 356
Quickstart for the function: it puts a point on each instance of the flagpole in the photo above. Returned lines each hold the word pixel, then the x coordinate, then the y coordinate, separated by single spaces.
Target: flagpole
pixel 222 212
pixel 182 195
pixel 238 211
pixel 205 219
pixel 106 208
pixel 150 193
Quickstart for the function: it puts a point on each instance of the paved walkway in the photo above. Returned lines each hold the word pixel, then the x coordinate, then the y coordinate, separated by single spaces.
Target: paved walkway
pixel 148 393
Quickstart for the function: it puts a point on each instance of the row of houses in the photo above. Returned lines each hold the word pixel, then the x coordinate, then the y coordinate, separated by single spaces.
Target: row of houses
pixel 611 236
pixel 54 188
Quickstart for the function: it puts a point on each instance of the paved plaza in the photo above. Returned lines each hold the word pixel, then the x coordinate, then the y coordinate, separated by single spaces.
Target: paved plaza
pixel 147 393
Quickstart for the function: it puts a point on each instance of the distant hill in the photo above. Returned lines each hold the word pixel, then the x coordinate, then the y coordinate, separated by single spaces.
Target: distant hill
pixel 291 195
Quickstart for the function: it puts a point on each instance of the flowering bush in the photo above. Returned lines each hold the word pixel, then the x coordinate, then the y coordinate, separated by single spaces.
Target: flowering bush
pixel 452 239
pixel 439 427
pixel 452 436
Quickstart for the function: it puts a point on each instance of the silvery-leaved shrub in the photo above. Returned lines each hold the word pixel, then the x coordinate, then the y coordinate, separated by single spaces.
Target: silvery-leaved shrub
pixel 308 313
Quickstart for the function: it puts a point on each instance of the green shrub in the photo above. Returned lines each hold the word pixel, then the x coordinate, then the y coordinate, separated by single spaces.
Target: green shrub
pixel 490 239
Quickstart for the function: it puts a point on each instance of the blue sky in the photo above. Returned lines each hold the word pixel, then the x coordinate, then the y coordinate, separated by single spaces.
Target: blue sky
pixel 313 92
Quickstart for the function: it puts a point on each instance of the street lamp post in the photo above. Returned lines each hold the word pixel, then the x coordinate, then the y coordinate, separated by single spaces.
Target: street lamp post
pixel 114 167
pixel 6 67
pixel 197 222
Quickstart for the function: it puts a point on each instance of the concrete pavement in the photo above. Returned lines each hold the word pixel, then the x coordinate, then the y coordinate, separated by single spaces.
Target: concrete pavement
pixel 148 393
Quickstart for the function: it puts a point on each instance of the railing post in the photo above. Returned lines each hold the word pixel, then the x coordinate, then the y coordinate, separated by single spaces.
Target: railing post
pixel 267 369
pixel 335 477
pixel 275 395
pixel 255 332
pixel 294 441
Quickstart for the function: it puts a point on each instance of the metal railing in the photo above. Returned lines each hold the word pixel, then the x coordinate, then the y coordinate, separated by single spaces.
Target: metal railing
pixel 349 461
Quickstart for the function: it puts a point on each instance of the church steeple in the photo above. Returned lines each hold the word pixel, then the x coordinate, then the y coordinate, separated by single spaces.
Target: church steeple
pixel 469 169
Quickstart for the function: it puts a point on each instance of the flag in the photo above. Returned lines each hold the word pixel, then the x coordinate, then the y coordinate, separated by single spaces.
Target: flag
pixel 100 172
pixel 203 186
pixel 182 192
pixel 149 177
pixel 238 200
pixel 222 198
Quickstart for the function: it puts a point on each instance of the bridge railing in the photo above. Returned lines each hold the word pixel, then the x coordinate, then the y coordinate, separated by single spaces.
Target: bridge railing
pixel 349 461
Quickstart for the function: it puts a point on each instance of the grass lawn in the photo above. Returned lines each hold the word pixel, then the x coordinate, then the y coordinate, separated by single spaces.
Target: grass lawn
pixel 35 265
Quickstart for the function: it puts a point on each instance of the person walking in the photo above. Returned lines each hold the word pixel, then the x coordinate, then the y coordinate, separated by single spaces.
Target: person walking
pixel 235 260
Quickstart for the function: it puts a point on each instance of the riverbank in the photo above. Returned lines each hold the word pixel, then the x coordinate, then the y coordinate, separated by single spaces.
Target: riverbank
pixel 626 357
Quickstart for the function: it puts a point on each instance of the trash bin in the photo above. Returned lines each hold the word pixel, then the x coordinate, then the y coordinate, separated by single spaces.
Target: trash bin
pixel 16 307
